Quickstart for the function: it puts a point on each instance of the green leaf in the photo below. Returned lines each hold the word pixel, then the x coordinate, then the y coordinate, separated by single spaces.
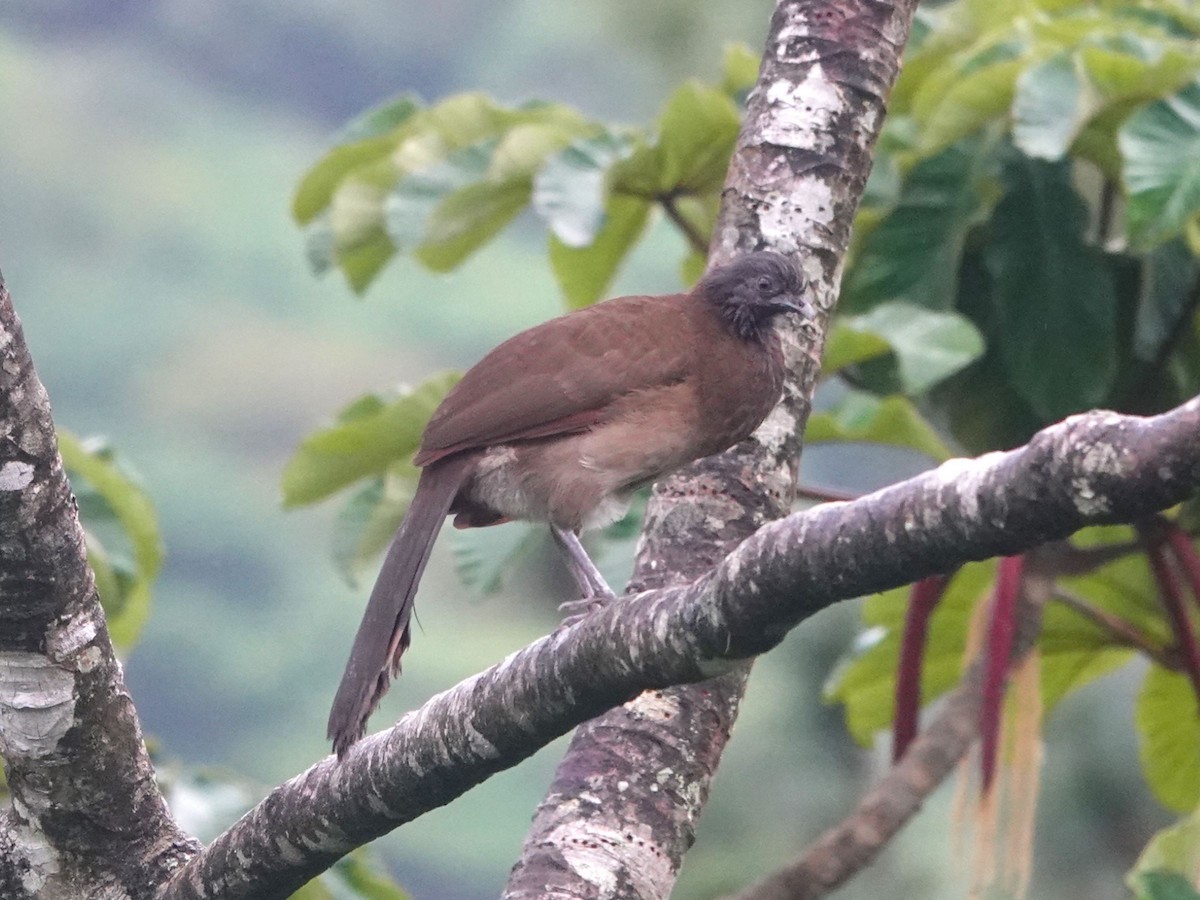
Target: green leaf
pixel 739 70
pixel 483 556
pixel 914 253
pixel 569 191
pixel 848 344
pixel 365 525
pixel 366 440
pixel 410 204
pixel 864 418
pixel 1173 851
pixel 468 219
pixel 1159 885
pixel 1049 108
pixel 696 134
pixel 1160 146
pixel 966 105
pixel 864 682
pixel 317 188
pixel 109 493
pixel 1168 724
pixel 1054 293
pixel 584 273
pixel 379 120
pixel 356 221
pixel 929 346
pixel 1169 275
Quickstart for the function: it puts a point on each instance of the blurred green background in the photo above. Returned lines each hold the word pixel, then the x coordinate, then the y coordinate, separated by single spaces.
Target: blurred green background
pixel 148 153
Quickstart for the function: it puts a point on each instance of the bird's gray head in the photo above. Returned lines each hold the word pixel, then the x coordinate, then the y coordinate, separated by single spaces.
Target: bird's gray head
pixel 751 291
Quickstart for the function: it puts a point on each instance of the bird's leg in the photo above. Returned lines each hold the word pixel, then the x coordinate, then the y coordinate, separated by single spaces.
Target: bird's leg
pixel 592 586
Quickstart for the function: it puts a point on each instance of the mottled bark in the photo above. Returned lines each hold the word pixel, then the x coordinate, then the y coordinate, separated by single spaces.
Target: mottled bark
pixel 623 807
pixel 86 817
pixel 1095 468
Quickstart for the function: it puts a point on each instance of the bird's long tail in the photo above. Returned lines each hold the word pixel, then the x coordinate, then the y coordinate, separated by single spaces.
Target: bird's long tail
pixel 383 634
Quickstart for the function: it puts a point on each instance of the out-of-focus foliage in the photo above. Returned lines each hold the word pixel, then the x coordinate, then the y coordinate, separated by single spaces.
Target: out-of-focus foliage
pixel 1167 868
pixel 124 546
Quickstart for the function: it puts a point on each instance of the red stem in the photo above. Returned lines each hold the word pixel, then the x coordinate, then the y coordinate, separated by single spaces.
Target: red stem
pixel 1171 593
pixel 997 658
pixel 922 601
pixel 1185 553
pixel 825 495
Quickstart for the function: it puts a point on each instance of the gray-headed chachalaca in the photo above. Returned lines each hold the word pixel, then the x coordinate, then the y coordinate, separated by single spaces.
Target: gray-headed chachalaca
pixel 563 422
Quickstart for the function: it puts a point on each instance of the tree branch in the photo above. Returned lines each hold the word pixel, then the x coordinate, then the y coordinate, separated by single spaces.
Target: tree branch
pixel 689 231
pixel 623 806
pixel 1091 469
pixel 86 814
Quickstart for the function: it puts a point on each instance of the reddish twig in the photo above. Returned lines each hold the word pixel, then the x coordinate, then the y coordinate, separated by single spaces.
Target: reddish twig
pixel 997 661
pixel 923 600
pixel 825 495
pixel 1185 553
pixel 1171 594
pixel 1121 630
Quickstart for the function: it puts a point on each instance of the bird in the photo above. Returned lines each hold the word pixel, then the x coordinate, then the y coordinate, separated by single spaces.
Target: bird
pixel 563 422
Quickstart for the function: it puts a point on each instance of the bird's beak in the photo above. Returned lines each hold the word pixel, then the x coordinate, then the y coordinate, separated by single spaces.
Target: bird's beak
pixel 796 304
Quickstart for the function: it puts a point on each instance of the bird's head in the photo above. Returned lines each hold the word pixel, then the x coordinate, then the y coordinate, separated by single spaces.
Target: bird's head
pixel 751 291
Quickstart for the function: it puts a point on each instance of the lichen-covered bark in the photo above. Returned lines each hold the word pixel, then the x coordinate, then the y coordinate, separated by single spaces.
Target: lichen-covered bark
pixel 623 806
pixel 1095 468
pixel 86 818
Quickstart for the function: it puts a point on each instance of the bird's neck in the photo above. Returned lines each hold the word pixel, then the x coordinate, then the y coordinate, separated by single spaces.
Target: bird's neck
pixel 741 321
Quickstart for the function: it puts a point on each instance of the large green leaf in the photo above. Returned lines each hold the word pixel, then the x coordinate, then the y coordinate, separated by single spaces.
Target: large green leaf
pixel 128 557
pixel 929 345
pixel 1168 723
pixel 570 190
pixel 468 219
pixel 914 253
pixel 1161 885
pixel 865 681
pixel 739 70
pixel 415 196
pixel 1049 108
pixel 584 273
pixel 697 130
pixel 366 140
pixel 1160 146
pixel 848 344
pixel 370 434
pixel 1054 293
pixel 1167 867
pixel 864 418
pixel 967 104
pixel 1169 276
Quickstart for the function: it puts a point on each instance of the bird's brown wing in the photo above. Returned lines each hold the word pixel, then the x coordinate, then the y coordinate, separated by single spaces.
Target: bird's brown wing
pixel 560 376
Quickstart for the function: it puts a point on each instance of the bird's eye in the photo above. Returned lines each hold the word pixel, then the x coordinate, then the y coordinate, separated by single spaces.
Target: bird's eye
pixel 764 284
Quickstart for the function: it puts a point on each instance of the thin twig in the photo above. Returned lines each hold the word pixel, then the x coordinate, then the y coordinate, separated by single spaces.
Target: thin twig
pixel 1121 630
pixel 825 495
pixel 691 233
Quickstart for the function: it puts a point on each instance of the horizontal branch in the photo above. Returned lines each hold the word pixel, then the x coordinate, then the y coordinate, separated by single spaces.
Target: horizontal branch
pixel 1091 469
